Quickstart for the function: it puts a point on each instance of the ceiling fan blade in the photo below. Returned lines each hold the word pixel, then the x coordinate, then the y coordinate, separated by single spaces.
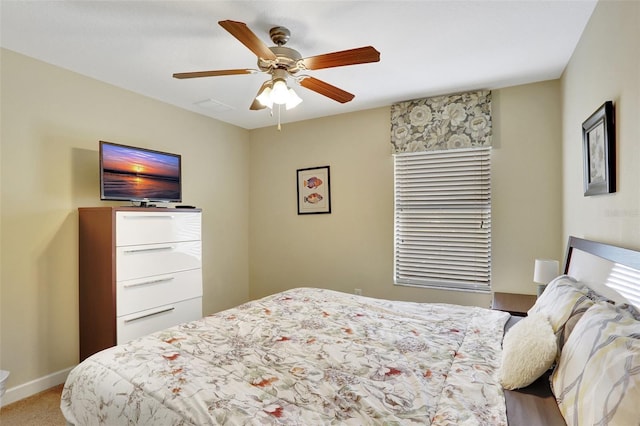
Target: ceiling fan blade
pixel 326 89
pixel 256 104
pixel 212 73
pixel 361 55
pixel 245 36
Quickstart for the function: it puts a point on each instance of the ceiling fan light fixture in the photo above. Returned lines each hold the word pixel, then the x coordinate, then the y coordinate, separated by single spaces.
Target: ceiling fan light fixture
pixel 280 92
pixel 277 92
pixel 294 100
pixel 264 97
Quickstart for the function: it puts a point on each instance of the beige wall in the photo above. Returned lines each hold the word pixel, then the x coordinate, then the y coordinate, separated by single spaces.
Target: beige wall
pixel 526 183
pixel 52 120
pixel 353 246
pixel 605 66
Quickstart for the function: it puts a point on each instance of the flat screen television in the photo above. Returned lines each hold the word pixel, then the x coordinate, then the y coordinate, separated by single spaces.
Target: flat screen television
pixel 142 175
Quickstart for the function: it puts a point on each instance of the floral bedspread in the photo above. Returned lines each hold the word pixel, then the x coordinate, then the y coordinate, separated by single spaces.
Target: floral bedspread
pixel 302 357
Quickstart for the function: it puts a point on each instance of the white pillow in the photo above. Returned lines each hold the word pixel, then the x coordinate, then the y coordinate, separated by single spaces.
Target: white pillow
pixel 528 350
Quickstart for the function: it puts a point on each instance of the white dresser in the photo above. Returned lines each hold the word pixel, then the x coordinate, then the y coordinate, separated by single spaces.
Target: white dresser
pixel 140 272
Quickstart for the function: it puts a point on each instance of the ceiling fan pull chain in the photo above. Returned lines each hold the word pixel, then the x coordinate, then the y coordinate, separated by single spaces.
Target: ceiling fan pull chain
pixel 279 127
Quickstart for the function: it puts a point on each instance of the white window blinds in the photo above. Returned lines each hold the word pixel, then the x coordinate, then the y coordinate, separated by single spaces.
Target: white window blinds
pixel 443 219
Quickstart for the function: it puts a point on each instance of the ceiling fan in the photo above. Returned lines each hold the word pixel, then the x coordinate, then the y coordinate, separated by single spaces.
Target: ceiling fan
pixel 282 62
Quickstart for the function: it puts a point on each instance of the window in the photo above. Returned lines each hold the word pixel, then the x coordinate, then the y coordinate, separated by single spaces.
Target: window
pixel 443 219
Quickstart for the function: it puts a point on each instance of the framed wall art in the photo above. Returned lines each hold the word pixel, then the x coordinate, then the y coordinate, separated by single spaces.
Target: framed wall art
pixel 598 145
pixel 314 191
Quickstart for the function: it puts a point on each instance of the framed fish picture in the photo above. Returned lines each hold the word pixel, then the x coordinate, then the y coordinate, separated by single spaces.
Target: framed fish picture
pixel 314 193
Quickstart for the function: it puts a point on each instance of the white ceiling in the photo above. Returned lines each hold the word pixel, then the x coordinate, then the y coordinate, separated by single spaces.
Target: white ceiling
pixel 427 47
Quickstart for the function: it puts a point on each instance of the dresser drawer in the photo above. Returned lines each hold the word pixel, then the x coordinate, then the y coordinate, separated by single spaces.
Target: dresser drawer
pixel 145 293
pixel 157 259
pixel 142 323
pixel 134 228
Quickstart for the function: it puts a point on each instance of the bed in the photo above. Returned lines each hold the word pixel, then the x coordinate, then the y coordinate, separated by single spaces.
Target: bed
pixel 315 356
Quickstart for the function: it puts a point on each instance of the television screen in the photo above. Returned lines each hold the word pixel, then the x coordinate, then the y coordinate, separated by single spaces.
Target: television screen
pixel 138 174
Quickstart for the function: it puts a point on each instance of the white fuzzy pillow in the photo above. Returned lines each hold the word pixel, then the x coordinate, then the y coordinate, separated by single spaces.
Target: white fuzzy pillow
pixel 528 350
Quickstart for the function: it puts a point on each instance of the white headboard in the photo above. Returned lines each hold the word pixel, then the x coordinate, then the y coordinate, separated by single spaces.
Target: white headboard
pixel 612 271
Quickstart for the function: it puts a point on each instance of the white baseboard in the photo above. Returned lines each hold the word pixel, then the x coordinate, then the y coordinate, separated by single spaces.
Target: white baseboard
pixel 35 386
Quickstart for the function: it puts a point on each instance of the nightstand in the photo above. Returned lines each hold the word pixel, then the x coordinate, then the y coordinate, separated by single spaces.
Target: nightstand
pixel 515 304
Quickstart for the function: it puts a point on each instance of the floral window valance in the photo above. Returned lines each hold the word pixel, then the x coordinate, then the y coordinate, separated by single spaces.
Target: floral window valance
pixel 443 122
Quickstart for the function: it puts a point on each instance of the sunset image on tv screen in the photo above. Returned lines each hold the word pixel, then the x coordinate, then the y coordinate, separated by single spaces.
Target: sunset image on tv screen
pixel 131 173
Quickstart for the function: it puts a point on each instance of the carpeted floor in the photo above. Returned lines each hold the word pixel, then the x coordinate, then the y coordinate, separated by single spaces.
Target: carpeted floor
pixel 37 410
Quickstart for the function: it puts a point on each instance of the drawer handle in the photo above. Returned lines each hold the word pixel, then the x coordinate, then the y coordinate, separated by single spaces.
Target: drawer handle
pixel 141 250
pixel 150 314
pixel 158 281
pixel 148 217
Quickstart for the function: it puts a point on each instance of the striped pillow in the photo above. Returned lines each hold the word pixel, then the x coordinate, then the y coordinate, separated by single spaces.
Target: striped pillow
pixel 576 313
pixel 563 301
pixel 597 379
